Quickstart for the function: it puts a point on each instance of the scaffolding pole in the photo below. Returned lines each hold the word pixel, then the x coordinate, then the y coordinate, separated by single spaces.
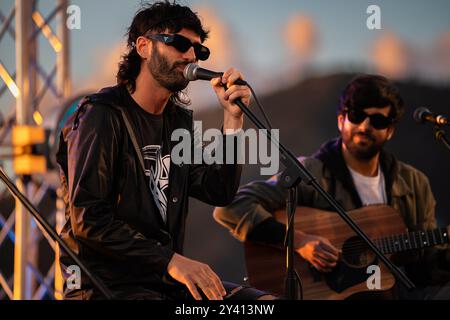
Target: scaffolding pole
pixel 65 89
pixel 23 106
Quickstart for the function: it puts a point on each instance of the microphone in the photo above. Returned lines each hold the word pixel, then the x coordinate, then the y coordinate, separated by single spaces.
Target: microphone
pixel 422 115
pixel 193 72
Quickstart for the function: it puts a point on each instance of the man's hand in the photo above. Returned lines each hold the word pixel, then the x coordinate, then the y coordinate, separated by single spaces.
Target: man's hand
pixel 193 273
pixel 233 118
pixel 316 250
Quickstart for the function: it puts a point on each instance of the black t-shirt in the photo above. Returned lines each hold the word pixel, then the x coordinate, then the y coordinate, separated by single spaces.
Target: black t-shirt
pixel 150 134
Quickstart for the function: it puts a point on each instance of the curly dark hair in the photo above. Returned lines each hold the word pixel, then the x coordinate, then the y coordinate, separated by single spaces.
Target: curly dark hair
pixel 371 91
pixel 158 17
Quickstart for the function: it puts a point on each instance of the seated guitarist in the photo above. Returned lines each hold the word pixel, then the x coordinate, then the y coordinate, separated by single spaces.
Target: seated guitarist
pixel 356 170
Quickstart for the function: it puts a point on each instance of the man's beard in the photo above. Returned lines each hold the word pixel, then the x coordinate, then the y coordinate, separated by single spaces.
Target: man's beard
pixel 362 151
pixel 167 76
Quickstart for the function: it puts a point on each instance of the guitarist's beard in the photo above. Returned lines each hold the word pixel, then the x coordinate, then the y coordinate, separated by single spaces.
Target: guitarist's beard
pixel 362 145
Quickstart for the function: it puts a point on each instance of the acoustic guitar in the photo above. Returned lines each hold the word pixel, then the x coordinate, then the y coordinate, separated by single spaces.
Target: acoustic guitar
pixel 383 225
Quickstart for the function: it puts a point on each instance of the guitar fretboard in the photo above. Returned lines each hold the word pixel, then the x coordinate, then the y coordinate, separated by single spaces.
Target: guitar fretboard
pixel 413 240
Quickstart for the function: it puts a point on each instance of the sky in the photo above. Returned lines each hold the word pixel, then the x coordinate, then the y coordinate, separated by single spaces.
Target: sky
pixel 273 42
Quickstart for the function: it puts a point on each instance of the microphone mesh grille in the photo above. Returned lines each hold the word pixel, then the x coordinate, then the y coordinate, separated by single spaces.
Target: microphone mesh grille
pixel 189 72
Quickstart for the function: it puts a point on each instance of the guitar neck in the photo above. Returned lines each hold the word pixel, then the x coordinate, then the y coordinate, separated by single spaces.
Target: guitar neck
pixel 413 240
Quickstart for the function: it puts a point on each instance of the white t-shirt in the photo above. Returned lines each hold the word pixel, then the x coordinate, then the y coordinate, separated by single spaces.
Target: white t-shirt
pixel 371 190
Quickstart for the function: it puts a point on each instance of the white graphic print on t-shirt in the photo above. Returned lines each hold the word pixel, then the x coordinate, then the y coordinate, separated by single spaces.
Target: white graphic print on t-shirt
pixel 157 169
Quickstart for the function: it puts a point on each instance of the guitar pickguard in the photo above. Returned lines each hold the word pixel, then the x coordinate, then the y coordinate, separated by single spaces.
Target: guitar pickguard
pixel 343 277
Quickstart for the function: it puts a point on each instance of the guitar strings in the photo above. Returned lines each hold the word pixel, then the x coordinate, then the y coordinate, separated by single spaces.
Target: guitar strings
pixel 388 245
pixel 383 245
pixel 358 248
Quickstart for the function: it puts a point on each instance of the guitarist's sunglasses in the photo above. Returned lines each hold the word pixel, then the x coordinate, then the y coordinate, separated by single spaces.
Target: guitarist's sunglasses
pixel 182 44
pixel 377 120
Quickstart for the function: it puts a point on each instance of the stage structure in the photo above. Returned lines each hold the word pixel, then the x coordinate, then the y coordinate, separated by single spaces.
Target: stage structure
pixel 29 82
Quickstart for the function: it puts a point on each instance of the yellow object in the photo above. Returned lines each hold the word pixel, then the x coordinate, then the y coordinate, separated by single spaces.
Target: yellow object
pixel 29 164
pixel 23 138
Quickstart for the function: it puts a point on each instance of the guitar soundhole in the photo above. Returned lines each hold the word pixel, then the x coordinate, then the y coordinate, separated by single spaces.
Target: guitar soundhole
pixel 356 253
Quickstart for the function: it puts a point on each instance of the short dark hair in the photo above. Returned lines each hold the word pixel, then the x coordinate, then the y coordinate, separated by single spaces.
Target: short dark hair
pixel 371 91
pixel 157 17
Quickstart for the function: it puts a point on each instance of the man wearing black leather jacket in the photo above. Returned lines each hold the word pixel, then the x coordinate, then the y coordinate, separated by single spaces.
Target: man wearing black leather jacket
pixel 126 201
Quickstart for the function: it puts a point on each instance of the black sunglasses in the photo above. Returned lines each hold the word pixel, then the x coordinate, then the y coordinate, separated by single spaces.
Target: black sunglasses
pixel 377 120
pixel 182 44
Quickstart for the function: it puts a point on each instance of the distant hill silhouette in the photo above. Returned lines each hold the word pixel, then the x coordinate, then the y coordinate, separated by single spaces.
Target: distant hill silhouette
pixel 306 116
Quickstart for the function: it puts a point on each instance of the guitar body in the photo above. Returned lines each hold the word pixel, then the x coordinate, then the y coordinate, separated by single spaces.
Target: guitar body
pixel 266 265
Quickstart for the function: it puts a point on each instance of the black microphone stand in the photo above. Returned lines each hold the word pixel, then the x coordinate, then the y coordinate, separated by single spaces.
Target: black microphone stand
pixel 291 285
pixel 27 204
pixel 294 173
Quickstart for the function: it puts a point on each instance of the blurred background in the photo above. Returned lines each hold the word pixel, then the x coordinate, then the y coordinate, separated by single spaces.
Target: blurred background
pixel 298 55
